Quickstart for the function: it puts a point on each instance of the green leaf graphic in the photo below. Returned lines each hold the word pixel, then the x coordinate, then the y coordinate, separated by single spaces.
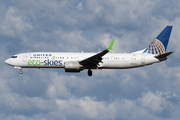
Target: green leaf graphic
pixel 53 57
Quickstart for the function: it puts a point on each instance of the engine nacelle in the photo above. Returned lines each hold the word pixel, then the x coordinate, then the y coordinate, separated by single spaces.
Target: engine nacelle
pixel 72 66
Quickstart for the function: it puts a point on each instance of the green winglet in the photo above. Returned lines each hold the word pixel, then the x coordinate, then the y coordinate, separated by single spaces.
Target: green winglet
pixel 111 45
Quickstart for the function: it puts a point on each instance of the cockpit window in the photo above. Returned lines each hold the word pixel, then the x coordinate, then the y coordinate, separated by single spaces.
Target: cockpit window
pixel 14 57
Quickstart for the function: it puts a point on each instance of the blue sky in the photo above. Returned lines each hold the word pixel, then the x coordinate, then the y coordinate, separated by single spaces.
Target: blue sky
pixel 150 92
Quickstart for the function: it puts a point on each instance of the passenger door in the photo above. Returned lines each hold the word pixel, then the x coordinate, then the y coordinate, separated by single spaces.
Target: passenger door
pixel 24 57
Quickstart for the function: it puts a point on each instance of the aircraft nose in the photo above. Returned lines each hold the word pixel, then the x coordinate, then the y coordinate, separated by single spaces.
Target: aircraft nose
pixel 7 61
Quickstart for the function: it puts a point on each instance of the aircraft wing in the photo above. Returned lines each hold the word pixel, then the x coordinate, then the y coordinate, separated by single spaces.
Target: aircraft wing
pixel 94 60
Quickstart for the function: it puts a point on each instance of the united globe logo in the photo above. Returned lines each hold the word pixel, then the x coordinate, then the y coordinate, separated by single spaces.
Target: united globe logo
pixel 156 47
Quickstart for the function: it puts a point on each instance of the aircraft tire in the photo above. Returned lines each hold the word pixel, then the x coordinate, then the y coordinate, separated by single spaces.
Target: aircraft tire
pixel 90 72
pixel 20 72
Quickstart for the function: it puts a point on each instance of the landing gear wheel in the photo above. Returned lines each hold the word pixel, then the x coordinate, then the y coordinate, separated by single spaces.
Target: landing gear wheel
pixel 90 72
pixel 20 71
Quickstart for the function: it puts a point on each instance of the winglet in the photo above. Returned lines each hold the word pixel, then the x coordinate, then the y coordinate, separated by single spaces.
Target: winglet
pixel 111 45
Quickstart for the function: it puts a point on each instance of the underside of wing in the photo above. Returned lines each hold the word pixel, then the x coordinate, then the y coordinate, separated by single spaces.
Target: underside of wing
pixel 93 61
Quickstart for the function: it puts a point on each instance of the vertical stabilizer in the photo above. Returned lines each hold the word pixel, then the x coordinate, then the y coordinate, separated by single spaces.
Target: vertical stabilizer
pixel 159 45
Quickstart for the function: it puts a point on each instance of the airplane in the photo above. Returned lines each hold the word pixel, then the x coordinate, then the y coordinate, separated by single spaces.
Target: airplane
pixel 76 62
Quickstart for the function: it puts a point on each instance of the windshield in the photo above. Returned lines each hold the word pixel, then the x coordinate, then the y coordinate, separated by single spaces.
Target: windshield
pixel 14 57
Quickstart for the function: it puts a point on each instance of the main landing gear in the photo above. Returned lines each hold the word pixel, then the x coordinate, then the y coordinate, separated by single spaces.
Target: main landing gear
pixel 89 72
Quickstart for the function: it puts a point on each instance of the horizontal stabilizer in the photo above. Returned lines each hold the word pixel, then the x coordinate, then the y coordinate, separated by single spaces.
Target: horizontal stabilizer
pixel 163 55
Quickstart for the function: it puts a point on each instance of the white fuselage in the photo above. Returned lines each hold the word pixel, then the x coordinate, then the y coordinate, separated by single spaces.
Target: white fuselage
pixel 58 59
pixel 76 62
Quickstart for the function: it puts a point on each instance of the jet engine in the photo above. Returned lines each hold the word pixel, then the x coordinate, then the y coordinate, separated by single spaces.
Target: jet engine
pixel 72 66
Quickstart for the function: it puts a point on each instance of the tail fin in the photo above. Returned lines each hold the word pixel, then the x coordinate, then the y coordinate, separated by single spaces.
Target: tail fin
pixel 159 45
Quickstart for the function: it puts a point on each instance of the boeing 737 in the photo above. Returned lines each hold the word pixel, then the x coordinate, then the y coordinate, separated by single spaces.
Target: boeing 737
pixel 76 62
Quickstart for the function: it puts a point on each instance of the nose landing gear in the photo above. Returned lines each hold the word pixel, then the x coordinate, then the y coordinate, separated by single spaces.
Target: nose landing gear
pixel 20 71
pixel 89 72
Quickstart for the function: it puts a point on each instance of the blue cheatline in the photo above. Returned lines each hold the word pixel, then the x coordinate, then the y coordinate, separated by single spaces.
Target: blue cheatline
pixel 159 45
